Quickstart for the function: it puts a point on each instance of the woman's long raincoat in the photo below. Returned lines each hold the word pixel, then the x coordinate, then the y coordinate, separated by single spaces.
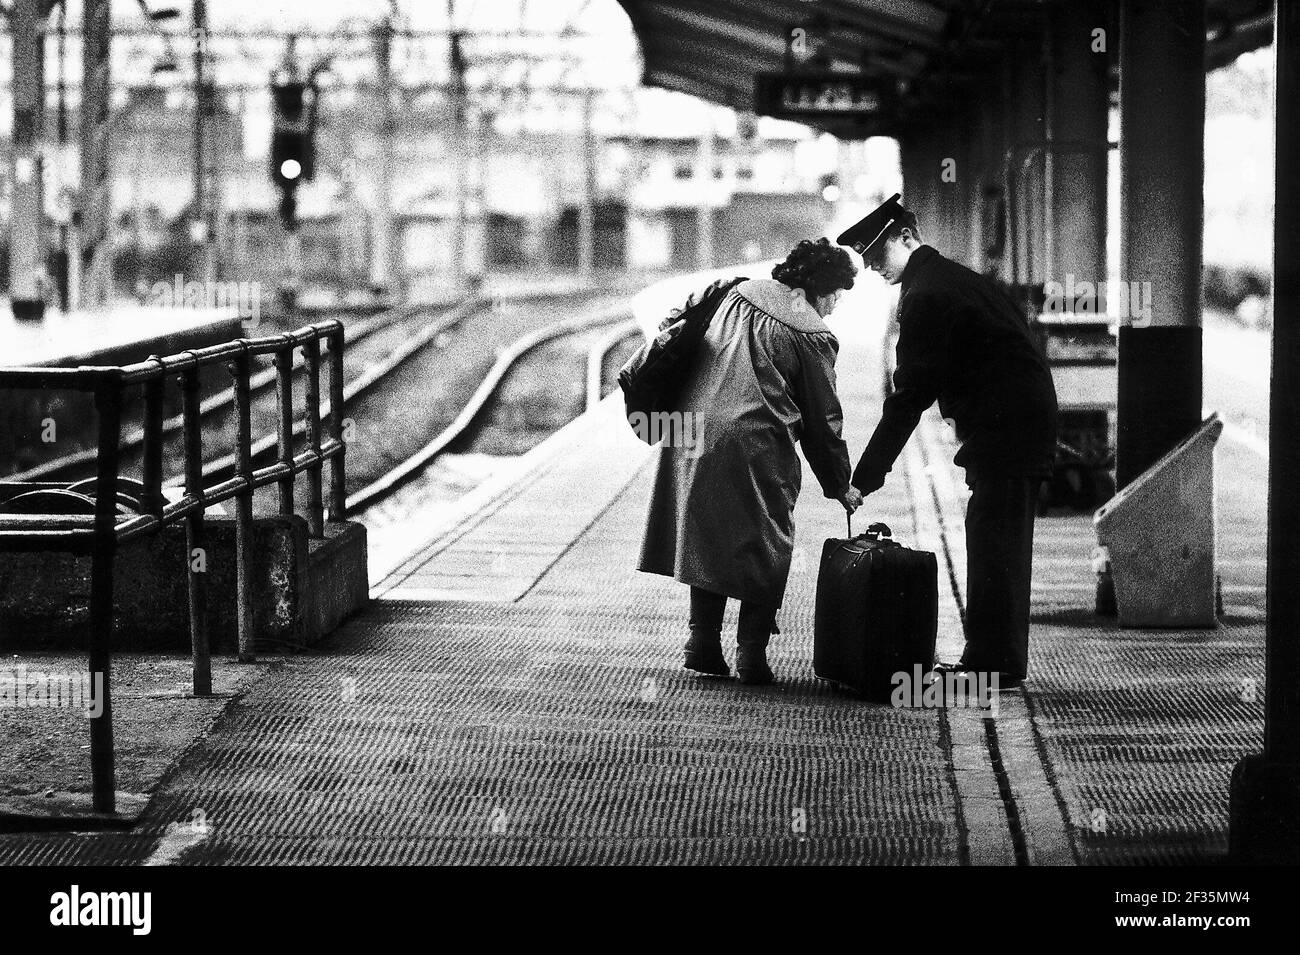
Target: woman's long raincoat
pixel 722 509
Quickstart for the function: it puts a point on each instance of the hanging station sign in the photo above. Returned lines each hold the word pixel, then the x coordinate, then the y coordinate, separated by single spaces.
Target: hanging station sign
pixel 805 97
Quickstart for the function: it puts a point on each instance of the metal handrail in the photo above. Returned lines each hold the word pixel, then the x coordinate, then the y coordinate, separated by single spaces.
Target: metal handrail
pixel 100 536
pixel 596 358
pixel 1026 152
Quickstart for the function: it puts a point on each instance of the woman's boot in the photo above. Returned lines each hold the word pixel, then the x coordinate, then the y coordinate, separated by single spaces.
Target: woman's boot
pixel 704 648
pixel 751 662
pixel 704 652
pixel 753 630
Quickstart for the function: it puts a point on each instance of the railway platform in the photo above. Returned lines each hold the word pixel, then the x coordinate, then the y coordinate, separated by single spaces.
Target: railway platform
pixel 117 336
pixel 513 694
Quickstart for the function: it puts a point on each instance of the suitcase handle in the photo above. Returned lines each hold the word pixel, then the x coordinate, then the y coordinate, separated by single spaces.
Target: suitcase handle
pixel 875 531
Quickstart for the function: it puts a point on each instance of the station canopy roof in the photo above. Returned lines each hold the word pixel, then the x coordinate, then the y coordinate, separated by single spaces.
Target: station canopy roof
pixel 921 50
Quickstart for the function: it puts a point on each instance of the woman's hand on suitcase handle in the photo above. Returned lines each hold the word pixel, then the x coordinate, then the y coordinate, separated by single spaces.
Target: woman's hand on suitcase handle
pixel 851 499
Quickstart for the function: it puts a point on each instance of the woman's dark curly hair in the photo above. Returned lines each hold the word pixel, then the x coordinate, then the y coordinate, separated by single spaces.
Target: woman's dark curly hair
pixel 817 267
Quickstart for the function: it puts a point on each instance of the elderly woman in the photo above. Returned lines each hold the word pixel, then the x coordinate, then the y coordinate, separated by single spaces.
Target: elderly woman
pixel 721 513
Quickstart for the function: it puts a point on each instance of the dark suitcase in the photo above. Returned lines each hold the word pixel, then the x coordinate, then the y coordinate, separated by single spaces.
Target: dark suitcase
pixel 877 613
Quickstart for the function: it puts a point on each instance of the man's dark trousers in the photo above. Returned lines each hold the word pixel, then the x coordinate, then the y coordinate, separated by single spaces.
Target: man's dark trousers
pixel 999 561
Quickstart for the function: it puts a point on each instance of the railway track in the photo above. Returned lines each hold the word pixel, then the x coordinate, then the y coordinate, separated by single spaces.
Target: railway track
pixel 80 465
pixel 618 328
pixel 607 327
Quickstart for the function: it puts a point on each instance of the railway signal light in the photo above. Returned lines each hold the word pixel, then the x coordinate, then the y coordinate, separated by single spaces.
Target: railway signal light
pixel 293 139
pixel 829 186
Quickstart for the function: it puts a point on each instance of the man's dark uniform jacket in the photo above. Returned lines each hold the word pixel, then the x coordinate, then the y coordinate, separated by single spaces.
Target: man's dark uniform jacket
pixel 963 342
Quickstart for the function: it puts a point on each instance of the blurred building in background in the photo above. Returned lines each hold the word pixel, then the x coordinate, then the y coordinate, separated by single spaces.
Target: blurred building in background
pixel 523 200
pixel 503 133
pixel 500 137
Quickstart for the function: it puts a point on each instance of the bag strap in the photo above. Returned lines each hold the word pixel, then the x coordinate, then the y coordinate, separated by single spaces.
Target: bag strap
pixel 716 295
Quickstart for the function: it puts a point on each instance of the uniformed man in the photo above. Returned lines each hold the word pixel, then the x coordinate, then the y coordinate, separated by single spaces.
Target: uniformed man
pixel 964 343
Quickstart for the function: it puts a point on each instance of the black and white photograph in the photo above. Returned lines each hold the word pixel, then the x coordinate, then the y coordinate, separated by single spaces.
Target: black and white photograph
pixel 596 435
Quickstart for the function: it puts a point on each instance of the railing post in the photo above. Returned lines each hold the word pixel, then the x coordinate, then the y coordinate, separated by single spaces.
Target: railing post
pixel 338 490
pixel 315 508
pixel 196 557
pixel 244 508
pixel 108 408
pixel 284 397
pixel 152 466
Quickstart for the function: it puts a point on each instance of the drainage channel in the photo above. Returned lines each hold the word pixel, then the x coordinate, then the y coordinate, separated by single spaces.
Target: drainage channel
pixel 1031 806
pixel 988 816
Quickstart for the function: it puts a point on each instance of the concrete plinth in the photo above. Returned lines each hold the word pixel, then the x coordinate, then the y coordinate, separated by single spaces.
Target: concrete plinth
pixel 1160 533
pixel 302 589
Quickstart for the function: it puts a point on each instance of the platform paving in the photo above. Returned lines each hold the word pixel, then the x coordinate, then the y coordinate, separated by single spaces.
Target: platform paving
pixel 513 694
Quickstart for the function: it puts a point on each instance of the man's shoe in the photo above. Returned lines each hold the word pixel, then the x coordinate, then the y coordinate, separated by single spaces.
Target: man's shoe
pixel 704 655
pixel 942 668
pixel 1005 680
